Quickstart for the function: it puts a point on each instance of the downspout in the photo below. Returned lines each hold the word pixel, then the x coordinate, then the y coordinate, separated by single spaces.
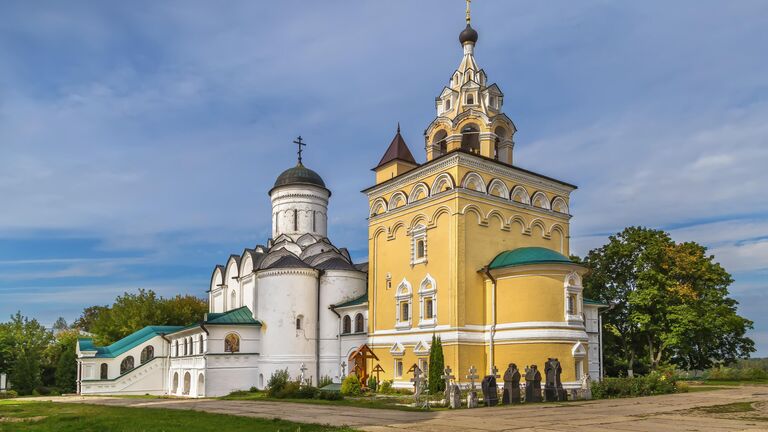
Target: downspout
pixel 493 318
pixel 338 334
pixel 317 329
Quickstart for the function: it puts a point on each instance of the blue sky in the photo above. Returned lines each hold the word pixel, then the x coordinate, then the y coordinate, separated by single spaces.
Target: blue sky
pixel 138 140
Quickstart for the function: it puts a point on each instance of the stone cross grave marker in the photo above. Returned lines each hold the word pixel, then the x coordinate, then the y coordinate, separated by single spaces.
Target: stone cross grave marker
pixel 303 370
pixel 447 377
pixel 472 395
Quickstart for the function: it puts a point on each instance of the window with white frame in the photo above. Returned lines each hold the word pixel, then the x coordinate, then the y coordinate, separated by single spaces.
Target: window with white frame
pixel 428 302
pixel 419 245
pixel 403 299
pixel 398 368
pixel 573 298
pixel 424 364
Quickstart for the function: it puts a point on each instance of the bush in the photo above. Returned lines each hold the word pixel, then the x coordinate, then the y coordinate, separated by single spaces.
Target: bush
pixel 654 383
pixel 736 374
pixel 324 381
pixel 10 394
pixel 277 382
pixel 253 389
pixel 372 383
pixel 329 395
pixel 385 387
pixel 351 386
pixel 42 391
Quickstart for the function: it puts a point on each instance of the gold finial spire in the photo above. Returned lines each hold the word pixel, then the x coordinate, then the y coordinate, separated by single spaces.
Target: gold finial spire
pixel 469 18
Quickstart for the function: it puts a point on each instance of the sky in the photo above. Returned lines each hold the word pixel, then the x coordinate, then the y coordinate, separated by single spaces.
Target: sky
pixel 138 139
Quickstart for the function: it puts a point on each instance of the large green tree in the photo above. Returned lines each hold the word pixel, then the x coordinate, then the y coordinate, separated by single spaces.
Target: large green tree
pixel 132 312
pixel 669 302
pixel 25 342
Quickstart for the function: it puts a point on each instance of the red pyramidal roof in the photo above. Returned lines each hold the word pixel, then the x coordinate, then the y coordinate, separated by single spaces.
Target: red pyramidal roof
pixel 397 150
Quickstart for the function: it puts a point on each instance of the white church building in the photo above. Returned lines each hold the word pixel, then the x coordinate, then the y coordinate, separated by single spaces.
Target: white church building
pixel 298 302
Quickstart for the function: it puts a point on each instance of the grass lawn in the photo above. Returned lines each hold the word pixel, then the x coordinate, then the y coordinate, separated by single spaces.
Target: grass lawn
pixel 397 402
pixel 736 407
pixel 23 416
pixel 734 383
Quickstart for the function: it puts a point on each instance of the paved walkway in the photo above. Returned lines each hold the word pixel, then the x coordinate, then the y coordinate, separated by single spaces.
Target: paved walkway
pixel 657 413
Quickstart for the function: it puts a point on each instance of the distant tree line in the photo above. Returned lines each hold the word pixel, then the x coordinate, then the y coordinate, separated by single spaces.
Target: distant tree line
pixel 40 360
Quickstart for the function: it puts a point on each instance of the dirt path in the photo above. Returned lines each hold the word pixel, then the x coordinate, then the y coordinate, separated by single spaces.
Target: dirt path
pixel 657 413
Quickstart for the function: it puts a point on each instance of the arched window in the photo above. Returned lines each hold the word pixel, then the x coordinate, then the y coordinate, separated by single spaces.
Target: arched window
pixel 299 322
pixel 126 365
pixel 470 99
pixel 470 138
pixel 232 300
pixel 420 249
pixel 232 343
pixel 104 371
pixel 359 323
pixel 200 342
pixel 439 141
pixel 187 383
pixel 447 104
pixel 176 348
pixel 175 383
pixel 185 347
pixel 147 354
pixel 346 327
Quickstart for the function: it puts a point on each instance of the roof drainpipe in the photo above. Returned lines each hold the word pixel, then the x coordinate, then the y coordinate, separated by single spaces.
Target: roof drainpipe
pixel 168 362
pixel 491 359
pixel 338 335
pixel 317 330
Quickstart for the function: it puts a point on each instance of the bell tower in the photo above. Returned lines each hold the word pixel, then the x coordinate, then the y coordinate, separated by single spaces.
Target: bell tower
pixel 469 111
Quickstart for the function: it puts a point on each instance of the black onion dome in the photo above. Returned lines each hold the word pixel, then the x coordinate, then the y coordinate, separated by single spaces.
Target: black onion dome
pixel 468 35
pixel 299 175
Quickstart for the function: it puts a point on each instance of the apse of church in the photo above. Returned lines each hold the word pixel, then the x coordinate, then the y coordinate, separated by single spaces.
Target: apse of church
pixel 470 247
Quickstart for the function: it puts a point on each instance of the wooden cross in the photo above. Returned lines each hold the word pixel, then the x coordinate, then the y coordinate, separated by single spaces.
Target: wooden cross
pixel 495 372
pixel 378 369
pixel 300 143
pixel 417 380
pixel 447 377
pixel 472 376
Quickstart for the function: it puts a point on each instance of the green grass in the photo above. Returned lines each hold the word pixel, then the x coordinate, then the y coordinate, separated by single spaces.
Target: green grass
pixel 64 417
pixel 396 402
pixel 736 407
pixel 704 388
pixel 734 383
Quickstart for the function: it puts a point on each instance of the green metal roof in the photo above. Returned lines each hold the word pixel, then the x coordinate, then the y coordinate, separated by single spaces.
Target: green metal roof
pixel 126 343
pixel 240 316
pixel 355 302
pixel 594 302
pixel 528 255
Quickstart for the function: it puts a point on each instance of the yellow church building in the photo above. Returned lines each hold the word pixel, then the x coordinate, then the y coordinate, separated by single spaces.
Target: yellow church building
pixel 470 247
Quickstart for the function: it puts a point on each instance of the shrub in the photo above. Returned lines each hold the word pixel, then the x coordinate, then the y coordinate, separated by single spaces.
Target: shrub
pixel 253 389
pixel 10 394
pixel 652 384
pixel 42 391
pixel 277 382
pixel 324 381
pixel 736 374
pixel 351 386
pixel 372 383
pixel 329 395
pixel 386 387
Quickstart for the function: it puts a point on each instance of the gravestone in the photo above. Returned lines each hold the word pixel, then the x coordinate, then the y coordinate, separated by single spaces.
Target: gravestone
pixel 447 377
pixel 472 395
pixel 490 391
pixel 418 384
pixel 553 387
pixel 532 384
pixel 455 401
pixel 511 393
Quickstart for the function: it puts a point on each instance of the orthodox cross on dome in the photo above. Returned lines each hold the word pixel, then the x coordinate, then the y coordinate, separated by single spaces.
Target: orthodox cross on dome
pixel 300 143
pixel 468 16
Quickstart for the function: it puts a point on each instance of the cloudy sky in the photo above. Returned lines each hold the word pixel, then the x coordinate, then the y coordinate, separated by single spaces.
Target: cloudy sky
pixel 138 139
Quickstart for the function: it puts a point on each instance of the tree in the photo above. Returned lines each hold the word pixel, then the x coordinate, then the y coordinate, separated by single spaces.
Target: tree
pixel 132 312
pixel 62 358
pixel 60 324
pixel 28 341
pixel 436 366
pixel 88 317
pixel 670 303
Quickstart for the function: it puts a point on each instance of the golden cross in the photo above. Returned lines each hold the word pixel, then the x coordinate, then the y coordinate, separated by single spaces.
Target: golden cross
pixel 468 17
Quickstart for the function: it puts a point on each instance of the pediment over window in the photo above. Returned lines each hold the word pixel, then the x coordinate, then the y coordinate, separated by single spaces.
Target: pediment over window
pixel 421 348
pixel 397 349
pixel 579 350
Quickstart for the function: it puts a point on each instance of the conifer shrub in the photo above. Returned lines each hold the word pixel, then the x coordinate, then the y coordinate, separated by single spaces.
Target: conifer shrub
pixel 277 382
pixel 351 386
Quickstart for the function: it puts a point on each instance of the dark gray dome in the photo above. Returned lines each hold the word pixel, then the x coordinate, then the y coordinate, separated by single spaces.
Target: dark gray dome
pixel 299 175
pixel 468 35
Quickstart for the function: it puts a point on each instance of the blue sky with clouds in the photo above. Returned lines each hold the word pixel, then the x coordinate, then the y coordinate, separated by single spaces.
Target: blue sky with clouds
pixel 138 139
